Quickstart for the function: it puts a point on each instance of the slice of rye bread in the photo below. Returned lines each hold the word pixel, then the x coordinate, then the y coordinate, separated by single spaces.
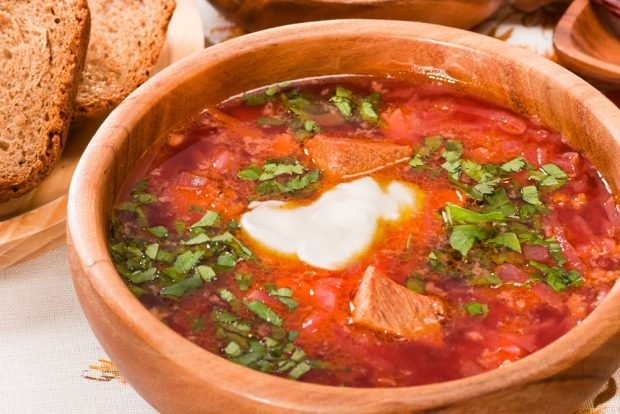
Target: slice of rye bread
pixel 125 41
pixel 42 51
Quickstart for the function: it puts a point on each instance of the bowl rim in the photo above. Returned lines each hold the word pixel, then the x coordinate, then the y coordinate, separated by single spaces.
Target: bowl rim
pixel 87 237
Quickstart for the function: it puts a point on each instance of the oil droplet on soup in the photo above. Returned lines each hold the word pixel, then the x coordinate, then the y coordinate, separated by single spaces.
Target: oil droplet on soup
pixel 366 232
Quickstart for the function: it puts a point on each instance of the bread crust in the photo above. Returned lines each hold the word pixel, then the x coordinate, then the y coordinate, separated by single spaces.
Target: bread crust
pixel 111 74
pixel 48 141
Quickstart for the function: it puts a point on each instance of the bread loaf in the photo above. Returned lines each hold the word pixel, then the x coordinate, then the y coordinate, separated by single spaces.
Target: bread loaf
pixel 125 41
pixel 42 52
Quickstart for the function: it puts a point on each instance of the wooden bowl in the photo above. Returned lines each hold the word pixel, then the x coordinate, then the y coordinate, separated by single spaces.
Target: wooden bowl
pixel 609 10
pixel 586 43
pixel 175 375
pixel 254 15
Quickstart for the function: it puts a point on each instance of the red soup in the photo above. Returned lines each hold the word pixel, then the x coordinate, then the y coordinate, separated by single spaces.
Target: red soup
pixel 366 232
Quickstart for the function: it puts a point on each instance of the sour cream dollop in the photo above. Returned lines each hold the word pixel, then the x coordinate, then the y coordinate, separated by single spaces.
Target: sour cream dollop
pixel 336 228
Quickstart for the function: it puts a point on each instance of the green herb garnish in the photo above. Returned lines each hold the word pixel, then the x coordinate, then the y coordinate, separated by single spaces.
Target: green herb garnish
pixel 415 283
pixel 263 311
pixel 179 289
pixel 197 324
pixel 557 278
pixel 208 220
pixel 284 295
pixel 206 273
pixel 463 237
pixel 508 239
pixel 277 177
pixel 530 195
pixel 244 280
pixel 514 165
pixel 477 309
pixel 457 214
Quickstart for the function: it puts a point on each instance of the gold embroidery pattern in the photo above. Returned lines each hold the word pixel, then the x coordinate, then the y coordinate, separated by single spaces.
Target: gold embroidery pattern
pixel 103 371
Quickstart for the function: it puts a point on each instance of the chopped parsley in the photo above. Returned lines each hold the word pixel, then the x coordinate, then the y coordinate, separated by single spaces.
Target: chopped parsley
pixel 244 281
pixel 180 288
pixel 496 220
pixel 558 278
pixel 227 295
pixel 274 352
pixel 342 101
pixel 415 283
pixel 197 324
pixel 276 177
pixel 301 112
pixel 263 311
pixel 457 214
pixel 158 231
pixel 178 263
pixel 151 251
pixel 299 370
pixel 284 295
pixel 416 162
pixel 463 237
pixel 349 104
pixel 514 165
pixel 206 273
pixel 550 177
pixel 508 239
pixel 208 220
pixel 530 195
pixel 139 199
pixel 477 309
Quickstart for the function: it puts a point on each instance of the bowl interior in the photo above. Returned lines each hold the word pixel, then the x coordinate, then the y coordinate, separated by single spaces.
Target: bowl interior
pixel 472 63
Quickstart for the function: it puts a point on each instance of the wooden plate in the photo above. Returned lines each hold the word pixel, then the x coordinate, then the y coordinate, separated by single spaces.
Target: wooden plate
pixel 35 222
pixel 587 44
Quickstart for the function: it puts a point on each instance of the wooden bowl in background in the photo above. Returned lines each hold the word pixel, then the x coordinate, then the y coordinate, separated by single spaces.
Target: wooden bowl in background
pixel 586 43
pixel 175 375
pixel 254 15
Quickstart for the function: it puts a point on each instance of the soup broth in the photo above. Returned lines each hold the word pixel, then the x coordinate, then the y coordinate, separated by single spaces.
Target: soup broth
pixel 366 232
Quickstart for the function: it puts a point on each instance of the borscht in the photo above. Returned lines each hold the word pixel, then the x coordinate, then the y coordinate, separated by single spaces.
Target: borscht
pixel 366 232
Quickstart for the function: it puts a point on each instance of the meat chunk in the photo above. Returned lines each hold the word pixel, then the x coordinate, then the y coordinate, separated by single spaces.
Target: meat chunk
pixel 343 157
pixel 382 304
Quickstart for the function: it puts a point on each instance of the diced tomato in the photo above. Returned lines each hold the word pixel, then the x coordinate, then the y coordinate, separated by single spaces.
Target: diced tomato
pixel 538 253
pixel 210 197
pixel 262 296
pixel 511 124
pixel 509 272
pixel 313 323
pixel 326 293
pixel 225 161
pixel 284 145
pixel 569 162
pixel 481 155
pixel 399 128
pixel 548 295
pixel 442 196
pixel 568 250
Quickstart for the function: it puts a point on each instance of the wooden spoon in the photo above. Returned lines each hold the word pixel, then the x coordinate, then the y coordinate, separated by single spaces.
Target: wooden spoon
pixel 254 15
pixel 586 44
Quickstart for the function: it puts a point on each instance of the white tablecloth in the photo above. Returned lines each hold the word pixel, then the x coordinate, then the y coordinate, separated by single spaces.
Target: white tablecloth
pixel 46 347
